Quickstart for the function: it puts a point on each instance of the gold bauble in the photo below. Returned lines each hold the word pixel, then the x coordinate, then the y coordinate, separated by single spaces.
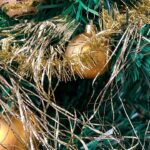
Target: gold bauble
pixel 88 53
pixel 12 135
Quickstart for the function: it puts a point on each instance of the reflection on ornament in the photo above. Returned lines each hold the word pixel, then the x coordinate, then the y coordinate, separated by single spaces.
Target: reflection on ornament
pixel 88 53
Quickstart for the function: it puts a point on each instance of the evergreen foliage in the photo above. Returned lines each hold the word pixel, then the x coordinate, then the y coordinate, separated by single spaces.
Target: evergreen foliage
pixel 111 111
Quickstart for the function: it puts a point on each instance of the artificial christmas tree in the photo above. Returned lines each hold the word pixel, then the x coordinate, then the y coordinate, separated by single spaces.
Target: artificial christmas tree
pixel 38 75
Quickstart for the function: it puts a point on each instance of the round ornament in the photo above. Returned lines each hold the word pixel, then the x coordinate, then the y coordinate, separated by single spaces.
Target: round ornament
pixel 88 53
pixel 12 135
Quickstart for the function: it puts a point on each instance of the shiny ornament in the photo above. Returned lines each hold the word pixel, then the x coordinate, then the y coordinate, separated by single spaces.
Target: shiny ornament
pixel 88 53
pixel 12 135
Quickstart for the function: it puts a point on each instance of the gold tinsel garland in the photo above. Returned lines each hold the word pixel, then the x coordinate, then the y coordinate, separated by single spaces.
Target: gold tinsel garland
pixel 27 60
pixel 15 8
pixel 35 60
